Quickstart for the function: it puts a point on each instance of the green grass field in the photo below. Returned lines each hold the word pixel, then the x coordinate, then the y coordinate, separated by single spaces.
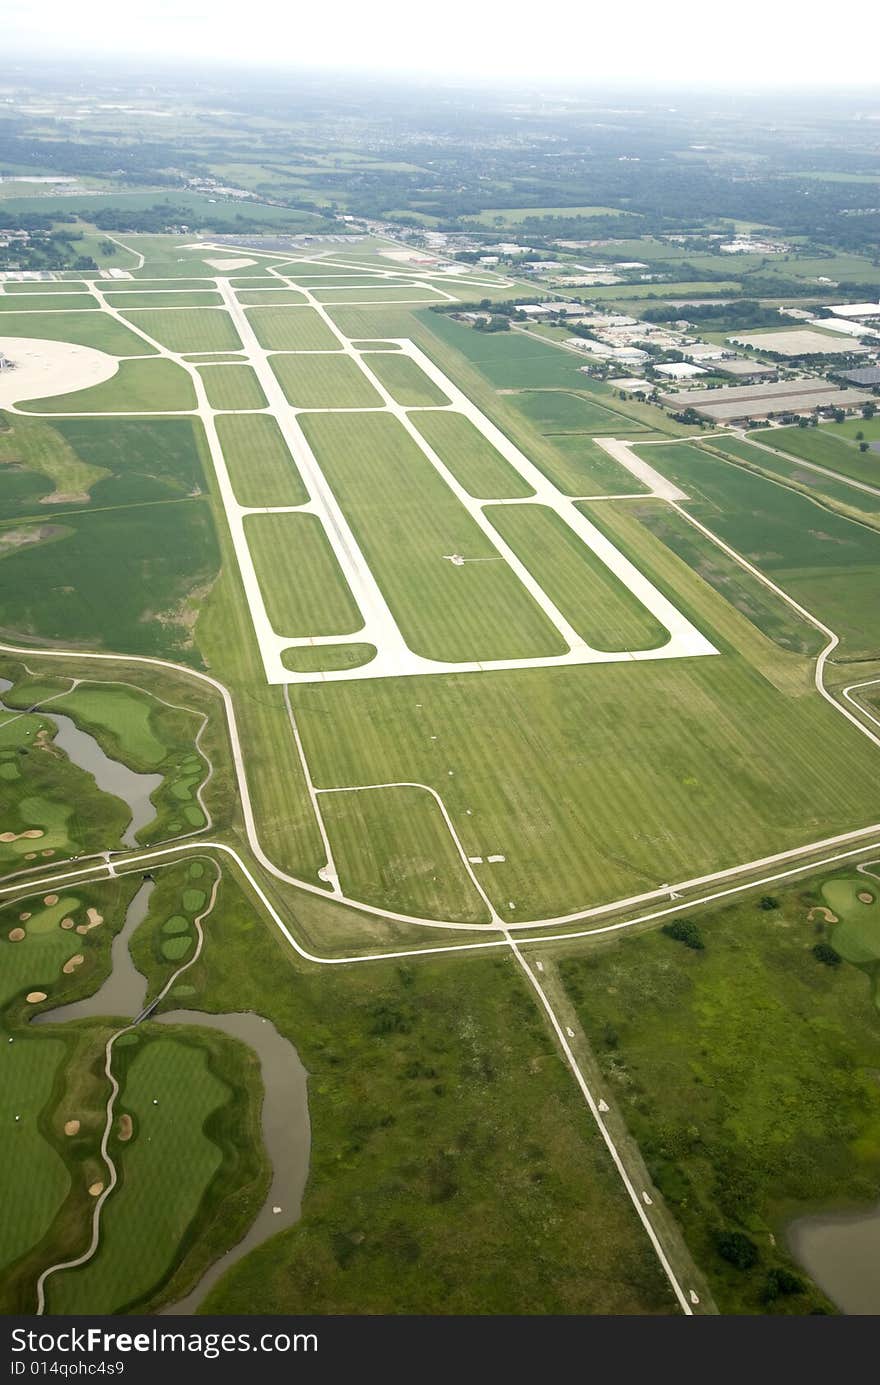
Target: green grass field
pixel 260 465
pixel 404 380
pixel 98 330
pixel 280 297
pixel 396 852
pixel 48 303
pixel 232 387
pixel 174 298
pixel 30 449
pixel 471 458
pixel 828 563
pixel 327 658
pixel 411 294
pixel 325 382
pixel 579 465
pixel 833 450
pixel 301 581
pixel 745 1072
pixel 137 387
pixel 292 329
pixel 555 411
pixel 407 522
pixel 602 610
pixel 167 1168
pixel 188 329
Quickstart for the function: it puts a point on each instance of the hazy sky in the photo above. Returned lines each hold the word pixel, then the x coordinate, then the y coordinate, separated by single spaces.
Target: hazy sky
pixel 753 42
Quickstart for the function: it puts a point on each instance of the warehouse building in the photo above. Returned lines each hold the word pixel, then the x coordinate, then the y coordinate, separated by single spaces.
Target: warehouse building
pixel 735 403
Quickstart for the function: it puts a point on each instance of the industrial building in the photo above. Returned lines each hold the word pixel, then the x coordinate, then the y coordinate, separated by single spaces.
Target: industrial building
pixel 734 403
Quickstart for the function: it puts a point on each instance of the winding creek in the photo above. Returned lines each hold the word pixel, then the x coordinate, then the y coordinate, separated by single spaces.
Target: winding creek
pixel 111 776
pixel 285 1113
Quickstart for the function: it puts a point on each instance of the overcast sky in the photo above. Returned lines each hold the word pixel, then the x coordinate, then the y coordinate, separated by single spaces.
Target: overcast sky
pixel 772 43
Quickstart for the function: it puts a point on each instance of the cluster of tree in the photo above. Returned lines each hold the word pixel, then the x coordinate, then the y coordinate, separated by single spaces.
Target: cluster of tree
pixel 685 931
pixel 740 315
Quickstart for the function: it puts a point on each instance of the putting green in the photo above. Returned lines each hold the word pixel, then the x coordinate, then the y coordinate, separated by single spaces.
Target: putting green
pixel 857 935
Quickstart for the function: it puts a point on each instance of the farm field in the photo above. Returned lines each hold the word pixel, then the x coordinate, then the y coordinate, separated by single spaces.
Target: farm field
pixel 408 522
pixel 852 501
pixel 828 563
pixel 303 588
pixel 260 466
pixel 832 450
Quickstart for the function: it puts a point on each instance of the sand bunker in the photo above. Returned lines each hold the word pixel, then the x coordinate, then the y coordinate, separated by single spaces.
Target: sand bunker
pixel 865 897
pixel 50 899
pixel 34 997
pixel 44 368
pixel 24 917
pixel 230 264
pixel 125 1128
pixel 822 912
pixel 94 919
pixel 16 935
pixel 29 834
pixel 71 1127
pixel 67 923
pixel 96 1189
pixel 72 963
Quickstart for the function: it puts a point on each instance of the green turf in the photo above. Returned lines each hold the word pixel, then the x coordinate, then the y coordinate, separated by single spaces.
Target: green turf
pixel 471 458
pixel 61 302
pixel 392 848
pixel 411 294
pixel 745 1071
pixel 404 380
pixel 857 934
pixel 188 329
pixel 260 466
pixel 123 301
pixel 322 382
pixel 97 330
pixel 834 488
pixel 167 1169
pixel 301 581
pixel 137 387
pixel 232 387
pixel 280 297
pixel 601 608
pixel 326 658
pixel 292 329
pixel 407 522
pixel 125 713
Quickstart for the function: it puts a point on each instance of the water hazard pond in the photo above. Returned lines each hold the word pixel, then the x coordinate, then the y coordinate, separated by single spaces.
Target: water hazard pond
pixel 284 1116
pixel 111 776
pixel 842 1254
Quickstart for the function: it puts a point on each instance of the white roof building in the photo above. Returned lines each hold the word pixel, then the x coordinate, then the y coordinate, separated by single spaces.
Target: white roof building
pixel 856 309
pixel 680 370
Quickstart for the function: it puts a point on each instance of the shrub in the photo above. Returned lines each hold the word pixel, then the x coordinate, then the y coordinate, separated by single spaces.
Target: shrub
pixel 685 931
pixel 824 952
pixel 781 1282
pixel 768 902
pixel 737 1249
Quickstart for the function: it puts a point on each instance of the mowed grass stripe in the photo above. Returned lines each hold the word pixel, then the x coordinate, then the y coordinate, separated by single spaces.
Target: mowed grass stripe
pixel 292 329
pixel 325 382
pixel 405 380
pixel 232 387
pixel 171 299
pixel 378 295
pixel 49 302
pixel 301 581
pixel 602 610
pixel 471 458
pixel 188 329
pixel 408 524
pixel 260 466
pixel 393 849
pixel 280 297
